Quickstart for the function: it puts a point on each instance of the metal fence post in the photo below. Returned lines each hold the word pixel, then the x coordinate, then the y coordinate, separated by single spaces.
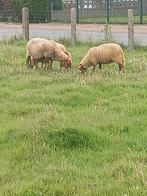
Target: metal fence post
pixel 77 8
pixel 141 11
pixel 25 22
pixel 108 14
pixel 130 29
pixel 50 10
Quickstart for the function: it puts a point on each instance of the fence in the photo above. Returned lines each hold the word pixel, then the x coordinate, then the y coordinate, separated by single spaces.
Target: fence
pixel 93 33
pixel 102 11
pixel 88 11
pixel 110 11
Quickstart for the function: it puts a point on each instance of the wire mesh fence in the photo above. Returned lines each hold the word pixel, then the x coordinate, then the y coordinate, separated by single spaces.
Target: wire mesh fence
pixel 110 11
pixel 88 11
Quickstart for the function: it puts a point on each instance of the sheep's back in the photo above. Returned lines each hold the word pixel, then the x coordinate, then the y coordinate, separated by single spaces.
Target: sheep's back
pixel 106 53
pixel 39 47
pixel 63 48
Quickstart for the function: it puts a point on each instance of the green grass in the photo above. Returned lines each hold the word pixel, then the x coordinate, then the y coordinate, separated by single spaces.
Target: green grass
pixel 67 134
pixel 112 19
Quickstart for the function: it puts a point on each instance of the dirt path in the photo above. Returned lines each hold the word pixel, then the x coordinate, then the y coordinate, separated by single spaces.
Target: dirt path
pixel 85 32
pixel 83 27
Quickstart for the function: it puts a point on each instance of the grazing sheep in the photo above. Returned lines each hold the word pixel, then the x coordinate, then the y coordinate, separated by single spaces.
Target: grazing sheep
pixel 49 63
pixel 63 48
pixel 39 49
pixel 103 54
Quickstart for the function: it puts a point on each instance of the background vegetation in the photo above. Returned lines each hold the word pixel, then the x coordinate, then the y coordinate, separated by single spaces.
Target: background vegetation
pixel 40 11
pixel 36 5
pixel 67 134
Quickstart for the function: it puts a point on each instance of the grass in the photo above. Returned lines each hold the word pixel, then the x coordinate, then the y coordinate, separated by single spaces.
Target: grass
pixel 112 19
pixel 67 134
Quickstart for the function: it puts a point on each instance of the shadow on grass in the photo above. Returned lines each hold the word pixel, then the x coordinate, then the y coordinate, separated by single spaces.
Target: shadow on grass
pixel 71 138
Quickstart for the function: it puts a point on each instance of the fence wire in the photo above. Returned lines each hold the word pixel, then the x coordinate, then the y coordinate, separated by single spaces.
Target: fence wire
pixel 88 11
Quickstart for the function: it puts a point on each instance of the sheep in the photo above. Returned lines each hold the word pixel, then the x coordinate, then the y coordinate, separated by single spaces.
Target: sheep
pixel 103 54
pixel 63 48
pixel 39 49
pixel 49 63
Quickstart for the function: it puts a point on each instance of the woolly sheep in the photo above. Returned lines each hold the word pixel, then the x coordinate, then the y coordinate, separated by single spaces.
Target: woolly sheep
pixel 103 54
pixel 63 48
pixel 39 49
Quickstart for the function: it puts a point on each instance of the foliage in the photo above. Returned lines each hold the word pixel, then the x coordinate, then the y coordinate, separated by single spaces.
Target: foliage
pixel 108 37
pixel 39 10
pixel 69 134
pixel 36 4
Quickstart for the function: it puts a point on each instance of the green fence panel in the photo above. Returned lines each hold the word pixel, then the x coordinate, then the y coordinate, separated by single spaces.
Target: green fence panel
pixel 88 11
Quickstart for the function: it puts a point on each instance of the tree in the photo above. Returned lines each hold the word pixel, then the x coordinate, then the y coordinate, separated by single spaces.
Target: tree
pixel 38 9
pixel 33 4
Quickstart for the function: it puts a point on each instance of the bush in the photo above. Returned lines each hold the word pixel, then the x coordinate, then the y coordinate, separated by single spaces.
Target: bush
pixel 39 10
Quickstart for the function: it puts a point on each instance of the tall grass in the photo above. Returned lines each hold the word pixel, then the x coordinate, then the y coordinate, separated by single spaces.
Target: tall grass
pixel 70 134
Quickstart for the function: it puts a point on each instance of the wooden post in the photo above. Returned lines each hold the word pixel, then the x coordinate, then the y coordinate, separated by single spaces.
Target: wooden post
pixel 130 29
pixel 25 22
pixel 73 27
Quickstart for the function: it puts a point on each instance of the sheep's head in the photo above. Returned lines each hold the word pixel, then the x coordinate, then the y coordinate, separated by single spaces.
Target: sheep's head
pixel 82 68
pixel 67 64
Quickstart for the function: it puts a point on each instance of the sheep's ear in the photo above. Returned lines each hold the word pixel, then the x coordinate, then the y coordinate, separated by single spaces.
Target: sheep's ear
pixel 80 65
pixel 82 68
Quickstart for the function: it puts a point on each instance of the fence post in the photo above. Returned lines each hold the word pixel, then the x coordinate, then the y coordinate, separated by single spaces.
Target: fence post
pixel 73 27
pixel 130 29
pixel 108 8
pixel 25 22
pixel 141 11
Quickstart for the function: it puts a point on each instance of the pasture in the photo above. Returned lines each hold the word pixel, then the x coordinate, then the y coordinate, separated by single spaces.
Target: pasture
pixel 70 134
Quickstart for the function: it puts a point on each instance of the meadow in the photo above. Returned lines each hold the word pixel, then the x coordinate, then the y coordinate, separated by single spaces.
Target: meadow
pixel 70 134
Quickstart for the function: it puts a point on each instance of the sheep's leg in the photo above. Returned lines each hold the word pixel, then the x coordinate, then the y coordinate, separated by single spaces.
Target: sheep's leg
pixel 49 64
pixel 100 66
pixel 46 64
pixel 34 63
pixel 42 64
pixel 121 68
pixel 28 60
